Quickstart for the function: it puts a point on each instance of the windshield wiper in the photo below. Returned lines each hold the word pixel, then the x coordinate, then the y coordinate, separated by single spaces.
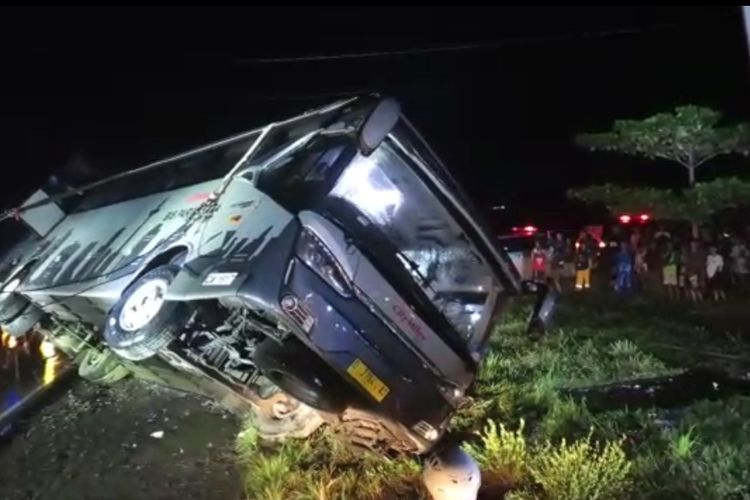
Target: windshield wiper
pixel 414 269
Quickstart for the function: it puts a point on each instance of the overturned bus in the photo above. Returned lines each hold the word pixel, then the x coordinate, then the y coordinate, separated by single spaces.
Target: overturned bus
pixel 327 262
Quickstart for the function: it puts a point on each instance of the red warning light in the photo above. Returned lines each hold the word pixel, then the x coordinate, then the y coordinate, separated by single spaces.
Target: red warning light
pixel 527 230
pixel 644 217
pixel 625 219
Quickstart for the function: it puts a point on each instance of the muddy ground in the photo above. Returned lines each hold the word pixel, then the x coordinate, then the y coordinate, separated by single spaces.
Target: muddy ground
pixel 94 442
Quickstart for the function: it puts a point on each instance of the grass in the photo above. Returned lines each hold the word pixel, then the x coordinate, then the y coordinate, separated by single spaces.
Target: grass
pixel 533 441
pixel 322 468
pixel 502 454
pixel 582 469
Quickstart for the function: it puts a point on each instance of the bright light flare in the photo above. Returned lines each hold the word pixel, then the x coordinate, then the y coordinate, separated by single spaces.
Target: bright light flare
pixel 47 349
pixel 367 187
pixel 51 369
pixel 625 219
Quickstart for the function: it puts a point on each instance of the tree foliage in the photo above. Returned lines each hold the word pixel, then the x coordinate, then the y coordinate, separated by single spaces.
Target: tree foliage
pixel 690 136
pixel 695 204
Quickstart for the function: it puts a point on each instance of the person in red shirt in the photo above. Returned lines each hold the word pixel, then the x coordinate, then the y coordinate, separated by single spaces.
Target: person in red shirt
pixel 539 262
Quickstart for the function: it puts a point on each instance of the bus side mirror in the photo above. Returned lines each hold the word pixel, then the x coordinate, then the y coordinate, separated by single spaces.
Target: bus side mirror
pixel 378 125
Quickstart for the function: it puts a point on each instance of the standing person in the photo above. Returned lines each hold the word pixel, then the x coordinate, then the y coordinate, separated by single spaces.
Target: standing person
pixel 654 263
pixel 662 236
pixel 583 267
pixel 641 265
pixel 538 262
pixel 570 268
pixel 635 239
pixel 695 260
pixel 582 234
pixel 739 256
pixel 714 272
pixel 592 247
pixel 549 248
pixel 669 270
pixel 624 266
pixel 557 260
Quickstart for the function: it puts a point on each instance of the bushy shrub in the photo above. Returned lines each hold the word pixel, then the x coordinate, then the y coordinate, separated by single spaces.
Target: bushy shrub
pixel 582 470
pixel 502 453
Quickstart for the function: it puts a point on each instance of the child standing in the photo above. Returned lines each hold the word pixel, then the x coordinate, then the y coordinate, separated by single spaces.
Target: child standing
pixel 557 261
pixel 714 272
pixel 641 265
pixel 669 270
pixel 624 281
pixel 539 262
pixel 694 270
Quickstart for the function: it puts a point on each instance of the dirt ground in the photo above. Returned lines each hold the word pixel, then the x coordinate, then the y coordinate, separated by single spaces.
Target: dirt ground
pixel 94 442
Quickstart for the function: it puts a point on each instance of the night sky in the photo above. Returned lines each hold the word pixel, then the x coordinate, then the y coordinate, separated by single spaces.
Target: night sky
pixel 86 92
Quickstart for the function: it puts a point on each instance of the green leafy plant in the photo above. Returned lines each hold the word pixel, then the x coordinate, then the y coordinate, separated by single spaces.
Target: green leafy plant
pixel 682 445
pixel 502 453
pixel 564 418
pixel 247 442
pixel 623 348
pixel 583 469
pixel 718 471
pixel 522 494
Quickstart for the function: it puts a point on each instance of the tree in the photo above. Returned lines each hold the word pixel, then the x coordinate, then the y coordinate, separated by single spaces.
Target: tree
pixel 660 203
pixel 707 198
pixel 696 204
pixel 690 137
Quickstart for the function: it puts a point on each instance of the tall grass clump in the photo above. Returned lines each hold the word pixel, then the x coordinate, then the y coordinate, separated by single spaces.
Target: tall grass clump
pixel 582 469
pixel 502 454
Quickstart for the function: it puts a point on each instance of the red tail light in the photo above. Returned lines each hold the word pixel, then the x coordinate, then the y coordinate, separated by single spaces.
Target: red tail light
pixel 525 229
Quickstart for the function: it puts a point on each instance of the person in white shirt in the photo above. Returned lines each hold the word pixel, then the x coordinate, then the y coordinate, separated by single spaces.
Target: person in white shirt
pixel 714 273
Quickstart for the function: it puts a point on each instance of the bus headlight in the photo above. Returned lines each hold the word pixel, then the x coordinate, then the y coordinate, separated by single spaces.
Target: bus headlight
pixel 317 257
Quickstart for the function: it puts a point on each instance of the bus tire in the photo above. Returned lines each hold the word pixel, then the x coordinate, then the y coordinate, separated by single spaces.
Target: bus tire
pixel 142 323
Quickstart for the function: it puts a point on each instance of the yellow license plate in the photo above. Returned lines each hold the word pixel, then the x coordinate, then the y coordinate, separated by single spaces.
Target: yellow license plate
pixel 372 384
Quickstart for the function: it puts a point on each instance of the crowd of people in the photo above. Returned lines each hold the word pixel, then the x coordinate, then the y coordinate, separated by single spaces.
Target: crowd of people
pixel 682 268
pixel 556 258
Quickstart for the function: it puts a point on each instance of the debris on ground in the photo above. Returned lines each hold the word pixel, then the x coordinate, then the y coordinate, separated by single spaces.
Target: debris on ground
pixel 98 442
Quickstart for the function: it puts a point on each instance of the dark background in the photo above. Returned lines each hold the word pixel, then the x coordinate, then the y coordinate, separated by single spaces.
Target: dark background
pixel 91 91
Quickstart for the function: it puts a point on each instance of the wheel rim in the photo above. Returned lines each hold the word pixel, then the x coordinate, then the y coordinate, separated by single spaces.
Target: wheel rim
pixel 95 359
pixel 143 305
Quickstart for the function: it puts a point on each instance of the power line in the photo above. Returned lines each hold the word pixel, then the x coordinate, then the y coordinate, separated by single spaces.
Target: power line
pixel 459 47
